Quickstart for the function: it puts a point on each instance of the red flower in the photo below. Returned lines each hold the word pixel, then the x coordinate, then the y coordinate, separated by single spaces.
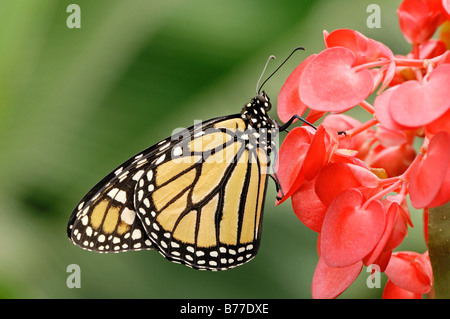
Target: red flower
pixel 419 19
pixel 353 188
pixel 409 271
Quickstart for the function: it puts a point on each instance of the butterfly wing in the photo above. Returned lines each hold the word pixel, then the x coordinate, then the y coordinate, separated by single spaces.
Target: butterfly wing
pixel 196 197
pixel 203 206
pixel 105 220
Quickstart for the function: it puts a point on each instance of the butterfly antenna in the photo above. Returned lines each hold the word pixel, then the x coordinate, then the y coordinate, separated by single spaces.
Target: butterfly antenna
pixel 262 73
pixel 285 60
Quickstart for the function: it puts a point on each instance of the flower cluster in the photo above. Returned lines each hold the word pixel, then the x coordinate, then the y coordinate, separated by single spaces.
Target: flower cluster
pixel 352 187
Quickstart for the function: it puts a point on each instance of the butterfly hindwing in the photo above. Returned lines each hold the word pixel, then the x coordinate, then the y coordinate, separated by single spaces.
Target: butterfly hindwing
pixel 107 221
pixel 204 207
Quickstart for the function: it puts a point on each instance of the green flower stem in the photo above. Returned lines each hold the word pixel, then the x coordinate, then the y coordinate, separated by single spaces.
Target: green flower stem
pixel 439 249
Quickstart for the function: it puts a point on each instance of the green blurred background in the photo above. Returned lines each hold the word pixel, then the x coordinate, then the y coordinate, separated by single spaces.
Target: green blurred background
pixel 75 103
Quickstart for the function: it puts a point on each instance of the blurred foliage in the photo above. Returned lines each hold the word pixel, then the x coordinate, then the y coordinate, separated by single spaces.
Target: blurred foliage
pixel 75 103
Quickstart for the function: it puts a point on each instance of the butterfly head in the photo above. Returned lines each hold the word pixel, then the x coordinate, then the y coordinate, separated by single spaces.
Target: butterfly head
pixel 262 100
pixel 256 112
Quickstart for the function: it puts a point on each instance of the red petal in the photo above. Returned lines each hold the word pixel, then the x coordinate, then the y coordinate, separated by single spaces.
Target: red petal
pixel 427 178
pixel 322 146
pixel 446 5
pixel 365 49
pixel 314 115
pixel 443 195
pixel 388 137
pixel 342 122
pixel 391 291
pixel 350 231
pixel 441 124
pixel 308 207
pixel 329 83
pixel 394 160
pixel 330 282
pixel 377 253
pixel 290 159
pixel 381 106
pixel 432 48
pixel 337 177
pixel 289 103
pixel 415 104
pixel 399 231
pixel 409 270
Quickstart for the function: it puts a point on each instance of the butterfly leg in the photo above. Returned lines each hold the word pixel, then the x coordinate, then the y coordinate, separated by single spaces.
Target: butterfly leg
pixel 278 186
pixel 288 123
pixel 274 176
pixel 284 127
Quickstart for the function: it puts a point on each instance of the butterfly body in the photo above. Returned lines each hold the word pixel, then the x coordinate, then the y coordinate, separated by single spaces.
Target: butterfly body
pixel 197 197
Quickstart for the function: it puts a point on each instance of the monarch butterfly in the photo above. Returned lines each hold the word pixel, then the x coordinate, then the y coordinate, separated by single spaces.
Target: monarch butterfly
pixel 197 197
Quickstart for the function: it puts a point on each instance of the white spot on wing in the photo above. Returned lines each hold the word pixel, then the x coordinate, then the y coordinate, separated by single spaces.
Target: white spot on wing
pixel 121 197
pixel 136 234
pixel 85 220
pixel 177 151
pixel 128 216
pixel 138 175
pixel 113 192
pixel 164 146
pixel 160 159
